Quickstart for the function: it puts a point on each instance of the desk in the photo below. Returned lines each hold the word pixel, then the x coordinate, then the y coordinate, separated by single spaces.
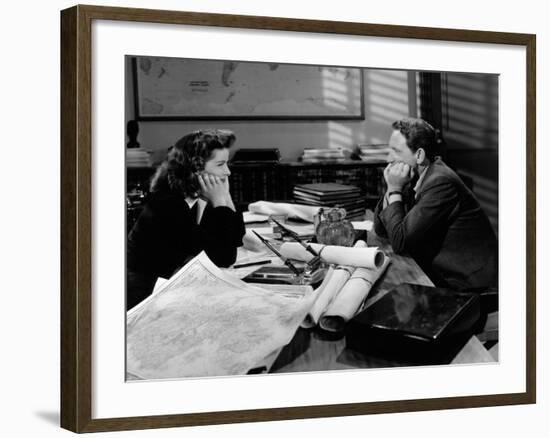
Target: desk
pixel 315 350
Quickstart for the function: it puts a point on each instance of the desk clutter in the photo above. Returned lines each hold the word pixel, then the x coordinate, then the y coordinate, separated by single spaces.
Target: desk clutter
pixel 347 273
pixel 207 321
pixel 194 339
pixel 329 195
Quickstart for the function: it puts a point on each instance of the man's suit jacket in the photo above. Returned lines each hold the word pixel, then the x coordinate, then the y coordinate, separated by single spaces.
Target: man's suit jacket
pixel 444 230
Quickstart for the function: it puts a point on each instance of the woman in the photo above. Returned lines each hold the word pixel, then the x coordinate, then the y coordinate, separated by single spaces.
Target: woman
pixel 189 210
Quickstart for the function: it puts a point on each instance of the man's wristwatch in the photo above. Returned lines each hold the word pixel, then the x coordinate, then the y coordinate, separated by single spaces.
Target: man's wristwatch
pixel 394 192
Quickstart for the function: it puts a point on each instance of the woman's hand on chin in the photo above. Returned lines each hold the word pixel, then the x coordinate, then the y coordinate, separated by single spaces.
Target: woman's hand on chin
pixel 213 189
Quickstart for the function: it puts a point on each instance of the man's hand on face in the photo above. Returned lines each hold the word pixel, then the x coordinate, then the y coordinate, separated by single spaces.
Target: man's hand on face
pixel 397 175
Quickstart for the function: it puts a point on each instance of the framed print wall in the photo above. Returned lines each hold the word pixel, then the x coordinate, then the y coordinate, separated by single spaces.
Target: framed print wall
pixel 95 395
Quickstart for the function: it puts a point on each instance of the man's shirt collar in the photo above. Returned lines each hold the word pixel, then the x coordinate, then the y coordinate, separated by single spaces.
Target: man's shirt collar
pixel 416 188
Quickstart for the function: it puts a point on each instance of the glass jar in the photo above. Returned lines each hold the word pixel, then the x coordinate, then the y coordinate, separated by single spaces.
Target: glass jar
pixel 333 229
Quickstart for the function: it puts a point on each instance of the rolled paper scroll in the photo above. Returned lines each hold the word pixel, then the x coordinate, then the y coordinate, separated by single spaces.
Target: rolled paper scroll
pixel 335 279
pixel 303 212
pixel 346 304
pixel 361 257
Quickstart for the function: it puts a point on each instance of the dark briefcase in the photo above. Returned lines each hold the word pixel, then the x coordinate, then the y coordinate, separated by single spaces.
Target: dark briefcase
pixel 416 324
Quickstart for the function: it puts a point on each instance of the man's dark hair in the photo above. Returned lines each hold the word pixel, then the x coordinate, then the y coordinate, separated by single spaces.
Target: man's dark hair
pixel 186 158
pixel 419 134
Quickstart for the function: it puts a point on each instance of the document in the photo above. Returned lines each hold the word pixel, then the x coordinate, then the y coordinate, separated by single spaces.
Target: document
pixel 350 297
pixel 299 211
pixel 335 279
pixel 366 225
pixel 249 217
pixel 204 322
pixel 251 241
pixel 357 256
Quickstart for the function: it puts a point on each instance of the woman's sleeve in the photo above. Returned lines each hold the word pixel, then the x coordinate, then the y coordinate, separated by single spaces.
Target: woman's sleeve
pixel 222 232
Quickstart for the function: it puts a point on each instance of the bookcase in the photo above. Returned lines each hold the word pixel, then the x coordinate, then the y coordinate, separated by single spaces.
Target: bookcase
pixel 275 181
pixel 256 181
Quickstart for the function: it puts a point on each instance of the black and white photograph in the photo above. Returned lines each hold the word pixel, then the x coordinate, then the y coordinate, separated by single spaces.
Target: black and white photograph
pixel 266 218
pixel 299 218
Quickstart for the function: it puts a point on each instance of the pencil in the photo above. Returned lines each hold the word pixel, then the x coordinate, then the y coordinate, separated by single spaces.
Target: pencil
pixel 244 265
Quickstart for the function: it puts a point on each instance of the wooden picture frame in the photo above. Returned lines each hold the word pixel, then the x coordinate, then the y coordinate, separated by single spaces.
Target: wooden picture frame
pixel 77 224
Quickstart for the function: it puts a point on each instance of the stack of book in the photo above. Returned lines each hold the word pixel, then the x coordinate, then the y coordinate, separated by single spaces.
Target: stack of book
pixel 311 155
pixel 332 195
pixel 137 157
pixel 373 153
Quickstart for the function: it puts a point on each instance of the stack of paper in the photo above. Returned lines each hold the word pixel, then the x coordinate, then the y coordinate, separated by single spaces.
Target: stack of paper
pixel 373 153
pixel 314 155
pixel 137 157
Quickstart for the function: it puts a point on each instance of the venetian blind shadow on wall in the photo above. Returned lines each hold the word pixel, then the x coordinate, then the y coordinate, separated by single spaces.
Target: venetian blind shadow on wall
pixel 470 126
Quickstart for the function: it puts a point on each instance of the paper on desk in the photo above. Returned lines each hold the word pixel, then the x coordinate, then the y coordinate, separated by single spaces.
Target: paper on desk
pixel 158 284
pixel 295 291
pixel 301 230
pixel 251 241
pixel 362 225
pixel 346 304
pixel 245 255
pixel 299 211
pixel 362 257
pixel 334 280
pixel 249 217
pixel 332 283
pixel 203 322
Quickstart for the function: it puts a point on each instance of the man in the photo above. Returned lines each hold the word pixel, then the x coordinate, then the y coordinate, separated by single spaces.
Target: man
pixel 442 225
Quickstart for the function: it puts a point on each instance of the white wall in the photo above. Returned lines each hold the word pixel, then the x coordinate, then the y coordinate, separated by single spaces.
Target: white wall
pixel 29 237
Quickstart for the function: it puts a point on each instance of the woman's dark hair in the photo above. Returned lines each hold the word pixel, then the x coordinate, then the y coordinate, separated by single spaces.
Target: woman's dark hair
pixel 419 134
pixel 188 156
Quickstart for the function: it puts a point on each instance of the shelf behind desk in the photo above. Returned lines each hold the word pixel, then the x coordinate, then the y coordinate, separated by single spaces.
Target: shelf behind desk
pixel 250 182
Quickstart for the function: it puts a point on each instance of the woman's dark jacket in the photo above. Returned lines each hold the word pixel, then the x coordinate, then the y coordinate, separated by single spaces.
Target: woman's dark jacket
pixel 166 236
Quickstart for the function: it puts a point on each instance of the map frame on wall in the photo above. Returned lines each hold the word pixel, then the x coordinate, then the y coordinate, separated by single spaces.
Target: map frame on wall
pixel 244 90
